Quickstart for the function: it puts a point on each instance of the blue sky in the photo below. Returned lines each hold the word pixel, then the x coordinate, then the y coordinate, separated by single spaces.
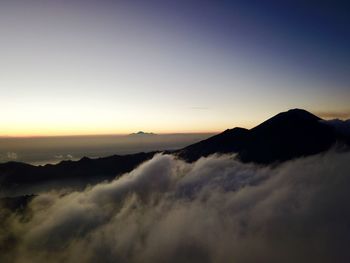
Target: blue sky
pixel 98 67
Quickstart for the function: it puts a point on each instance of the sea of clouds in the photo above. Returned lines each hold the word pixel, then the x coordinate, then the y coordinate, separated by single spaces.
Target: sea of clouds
pixel 214 210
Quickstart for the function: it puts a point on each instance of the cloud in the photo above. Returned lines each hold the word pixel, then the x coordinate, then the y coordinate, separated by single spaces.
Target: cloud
pixel 199 108
pixel 334 114
pixel 12 156
pixel 61 156
pixel 214 210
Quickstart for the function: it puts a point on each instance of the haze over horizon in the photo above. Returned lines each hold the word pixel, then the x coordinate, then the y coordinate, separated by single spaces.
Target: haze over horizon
pixel 117 67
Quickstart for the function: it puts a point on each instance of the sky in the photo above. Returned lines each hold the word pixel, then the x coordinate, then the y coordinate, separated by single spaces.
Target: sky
pixel 114 67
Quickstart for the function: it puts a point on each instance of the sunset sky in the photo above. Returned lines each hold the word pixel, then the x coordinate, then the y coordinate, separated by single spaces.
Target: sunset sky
pixel 110 67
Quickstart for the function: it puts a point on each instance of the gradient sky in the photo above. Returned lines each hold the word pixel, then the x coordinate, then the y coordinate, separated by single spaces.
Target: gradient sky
pixel 102 67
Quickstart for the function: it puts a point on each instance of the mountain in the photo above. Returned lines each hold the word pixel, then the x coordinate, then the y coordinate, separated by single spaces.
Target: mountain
pixel 15 175
pixel 288 135
pixel 141 133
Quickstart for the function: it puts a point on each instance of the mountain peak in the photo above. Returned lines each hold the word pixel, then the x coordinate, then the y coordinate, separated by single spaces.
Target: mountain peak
pixel 300 113
pixel 290 118
pixel 285 136
pixel 142 133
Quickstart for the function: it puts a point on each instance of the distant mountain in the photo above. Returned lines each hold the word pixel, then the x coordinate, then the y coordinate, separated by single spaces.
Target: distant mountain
pixel 141 133
pixel 288 135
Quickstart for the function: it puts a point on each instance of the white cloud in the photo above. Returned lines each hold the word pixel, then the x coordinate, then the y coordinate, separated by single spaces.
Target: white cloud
pixel 214 210
pixel 11 156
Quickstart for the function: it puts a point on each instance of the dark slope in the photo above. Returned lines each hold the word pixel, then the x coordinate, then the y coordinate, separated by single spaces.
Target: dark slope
pixel 231 140
pixel 17 203
pixel 288 135
pixel 13 174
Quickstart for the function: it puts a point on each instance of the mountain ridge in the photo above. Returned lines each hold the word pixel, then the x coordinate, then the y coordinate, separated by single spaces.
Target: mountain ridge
pixel 287 135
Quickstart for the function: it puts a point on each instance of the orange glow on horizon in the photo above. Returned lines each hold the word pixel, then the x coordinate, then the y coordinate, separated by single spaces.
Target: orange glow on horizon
pixel 28 134
pixel 58 132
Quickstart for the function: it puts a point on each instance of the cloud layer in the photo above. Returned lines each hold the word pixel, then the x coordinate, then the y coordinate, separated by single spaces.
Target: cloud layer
pixel 214 210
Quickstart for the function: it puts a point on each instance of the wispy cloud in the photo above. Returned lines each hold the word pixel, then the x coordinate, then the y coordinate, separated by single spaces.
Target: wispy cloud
pixel 11 156
pixel 199 108
pixel 334 114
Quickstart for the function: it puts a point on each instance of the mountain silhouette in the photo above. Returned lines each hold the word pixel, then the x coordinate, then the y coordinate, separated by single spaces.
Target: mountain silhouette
pixel 142 133
pixel 287 135
pixel 83 172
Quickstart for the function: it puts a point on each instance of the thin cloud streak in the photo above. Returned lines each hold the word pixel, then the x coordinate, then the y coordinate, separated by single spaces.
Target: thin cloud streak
pixel 199 108
pixel 334 114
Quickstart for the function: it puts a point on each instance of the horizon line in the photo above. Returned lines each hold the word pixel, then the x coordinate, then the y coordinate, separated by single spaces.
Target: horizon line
pixel 326 115
pixel 103 134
